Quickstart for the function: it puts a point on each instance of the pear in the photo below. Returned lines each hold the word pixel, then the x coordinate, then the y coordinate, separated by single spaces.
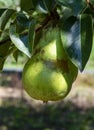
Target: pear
pixel 49 74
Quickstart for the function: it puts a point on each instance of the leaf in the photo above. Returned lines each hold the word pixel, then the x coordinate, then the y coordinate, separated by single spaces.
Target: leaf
pixel 77 36
pixel 8 3
pixel 22 22
pixel 2 11
pixel 25 6
pixel 4 48
pixel 92 2
pixel 1 63
pixel 44 6
pixel 86 37
pixel 5 17
pixel 4 51
pixel 38 36
pixel 15 55
pixel 4 35
pixel 21 42
pixel 31 35
pixel 75 5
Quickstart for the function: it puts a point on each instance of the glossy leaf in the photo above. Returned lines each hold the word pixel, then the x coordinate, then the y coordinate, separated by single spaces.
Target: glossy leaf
pixel 4 51
pixel 86 37
pixel 26 5
pixel 77 38
pixel 4 35
pixel 38 36
pixel 22 22
pixel 21 42
pixel 75 5
pixel 15 55
pixel 4 48
pixel 8 3
pixel 5 17
pixel 2 60
pixel 45 6
pixel 2 11
pixel 31 35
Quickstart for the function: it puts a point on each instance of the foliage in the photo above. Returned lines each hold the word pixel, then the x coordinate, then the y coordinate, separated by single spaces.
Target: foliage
pixel 22 25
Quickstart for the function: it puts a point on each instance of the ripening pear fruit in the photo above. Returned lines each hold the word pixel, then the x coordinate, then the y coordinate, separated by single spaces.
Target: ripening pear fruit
pixel 49 74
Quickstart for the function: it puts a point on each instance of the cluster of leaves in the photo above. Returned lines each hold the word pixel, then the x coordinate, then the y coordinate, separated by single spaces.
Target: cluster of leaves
pixel 21 27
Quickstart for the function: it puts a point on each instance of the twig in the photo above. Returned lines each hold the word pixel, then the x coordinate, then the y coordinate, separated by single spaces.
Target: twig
pixel 90 4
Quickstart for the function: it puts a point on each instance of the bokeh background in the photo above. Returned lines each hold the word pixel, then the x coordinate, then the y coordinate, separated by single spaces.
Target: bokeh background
pixel 20 112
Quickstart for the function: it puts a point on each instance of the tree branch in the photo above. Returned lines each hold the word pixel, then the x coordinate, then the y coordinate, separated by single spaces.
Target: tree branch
pixel 90 4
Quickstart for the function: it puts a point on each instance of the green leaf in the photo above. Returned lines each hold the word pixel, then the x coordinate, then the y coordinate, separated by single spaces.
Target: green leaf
pixel 43 6
pixel 26 5
pixel 2 11
pixel 38 36
pixel 4 48
pixel 15 55
pixel 77 36
pixel 4 35
pixel 4 51
pixel 75 5
pixel 2 60
pixel 8 3
pixel 31 35
pixel 22 22
pixel 86 37
pixel 5 17
pixel 21 42
pixel 92 2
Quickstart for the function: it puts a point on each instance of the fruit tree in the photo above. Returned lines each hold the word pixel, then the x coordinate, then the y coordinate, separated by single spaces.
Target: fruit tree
pixel 56 36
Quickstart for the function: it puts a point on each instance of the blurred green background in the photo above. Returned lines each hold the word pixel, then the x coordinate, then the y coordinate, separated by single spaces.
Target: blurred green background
pixel 20 112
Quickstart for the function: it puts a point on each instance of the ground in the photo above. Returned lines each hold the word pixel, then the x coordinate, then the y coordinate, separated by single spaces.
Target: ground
pixel 20 112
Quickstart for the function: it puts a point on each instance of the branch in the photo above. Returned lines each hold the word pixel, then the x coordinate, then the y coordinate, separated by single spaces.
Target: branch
pixel 90 4
pixel 45 22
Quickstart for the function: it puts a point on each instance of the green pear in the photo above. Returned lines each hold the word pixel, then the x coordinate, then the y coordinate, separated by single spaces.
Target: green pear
pixel 49 74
